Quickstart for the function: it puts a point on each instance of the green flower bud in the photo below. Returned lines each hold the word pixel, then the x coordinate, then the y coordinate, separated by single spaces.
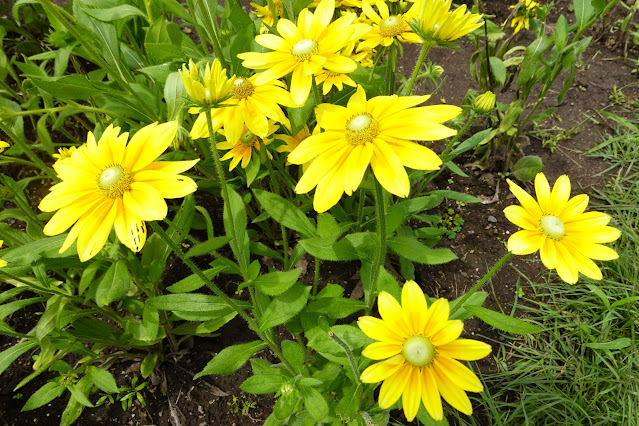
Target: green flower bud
pixel 485 102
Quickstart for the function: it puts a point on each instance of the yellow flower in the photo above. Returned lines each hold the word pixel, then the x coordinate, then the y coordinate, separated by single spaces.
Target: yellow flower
pixel 251 104
pixel 111 183
pixel 379 131
pixel 3 146
pixel 64 153
pixel 485 102
pixel 439 24
pixel 523 11
pixel 2 262
pixel 265 13
pixel 210 87
pixel 330 79
pixel 566 237
pixel 339 3
pixel 292 142
pixel 420 347
pixel 242 147
pixel 387 27
pixel 305 49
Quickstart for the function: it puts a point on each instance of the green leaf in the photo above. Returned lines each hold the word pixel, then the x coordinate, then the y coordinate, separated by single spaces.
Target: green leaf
pixel 235 211
pixel 102 379
pixel 299 116
pixel 561 32
pixel 277 282
pixel 231 359
pixel 208 246
pixel 477 299
pixel 502 322
pixel 285 213
pixel 415 251
pixel 583 11
pixel 27 254
pixel 74 407
pixel 203 329
pixel 531 56
pixel 174 7
pixel 80 395
pixel 294 354
pixel 314 403
pixel 148 365
pixel 47 321
pixel 69 87
pixel 526 168
pixel 498 69
pixel 193 302
pixel 174 96
pixel 115 13
pixel 285 306
pixel 622 342
pixel 473 141
pixel 328 229
pixel 13 352
pixel 336 307
pixel 162 42
pixel 114 285
pixel 44 395
pixel 457 196
pixel 261 384
pixel 194 282
pixel 357 246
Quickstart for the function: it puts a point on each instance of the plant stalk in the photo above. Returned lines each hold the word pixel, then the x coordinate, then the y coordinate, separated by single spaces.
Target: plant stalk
pixel 380 252
pixel 418 66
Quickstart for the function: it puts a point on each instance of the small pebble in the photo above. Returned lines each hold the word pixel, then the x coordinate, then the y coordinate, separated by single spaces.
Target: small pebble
pixel 492 219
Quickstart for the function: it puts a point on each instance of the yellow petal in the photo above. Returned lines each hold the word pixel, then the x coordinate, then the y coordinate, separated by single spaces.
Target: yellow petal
pixel 382 370
pixel 448 333
pixel 329 189
pixel 574 208
pixel 316 145
pixel 525 199
pixel 381 350
pixel 331 117
pixel 131 231
pixel 169 186
pixel 412 154
pixel 465 349
pixel 273 42
pixel 436 317
pixel 388 170
pixel 458 373
pixel 452 393
pixel 357 102
pixel 414 304
pixel 355 166
pixel 393 315
pixel 383 106
pixel 548 252
pixel 430 394
pixel 542 189
pixel 560 193
pixel 521 217
pixel 377 329
pixel 393 387
pixel 340 64
pixel 148 144
pixel 95 231
pixel 412 395
pixel 525 242
pixel 145 202
pixel 300 85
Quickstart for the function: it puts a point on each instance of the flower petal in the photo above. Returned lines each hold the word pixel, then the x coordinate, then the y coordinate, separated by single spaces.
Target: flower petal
pixel 394 386
pixel 414 304
pixel 382 370
pixel 448 333
pixel 465 349
pixel 430 394
pixel 148 144
pixel 381 350
pixel 145 202
pixel 458 373
pixel 412 395
pixel 377 329
pixel 525 242
pixel 393 315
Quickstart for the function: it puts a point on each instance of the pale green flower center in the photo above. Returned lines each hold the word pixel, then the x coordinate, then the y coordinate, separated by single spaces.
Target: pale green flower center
pixel 242 88
pixel 391 26
pixel 418 351
pixel 361 128
pixel 247 138
pixel 553 227
pixel 304 49
pixel 115 180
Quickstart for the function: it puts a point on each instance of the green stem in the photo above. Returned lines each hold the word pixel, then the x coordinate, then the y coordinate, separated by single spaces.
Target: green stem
pixel 392 66
pixel 481 282
pixel 360 210
pixel 9 160
pixel 316 276
pixel 191 6
pixel 349 356
pixel 285 248
pixel 218 292
pixel 459 134
pixel 418 66
pixel 316 93
pixel 380 252
pixel 225 191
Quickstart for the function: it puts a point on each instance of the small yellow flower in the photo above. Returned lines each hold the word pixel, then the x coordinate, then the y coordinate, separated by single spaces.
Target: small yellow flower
pixel 556 226
pixel 242 148
pixel 330 79
pixel 386 27
pixel 524 10
pixel 292 142
pixel 207 88
pixel 441 25
pixel 420 348
pixel 264 12
pixel 64 153
pixel 485 102
pixel 305 49
pixel 2 262
pixel 379 132
pixel 3 146
pixel 339 3
pixel 111 183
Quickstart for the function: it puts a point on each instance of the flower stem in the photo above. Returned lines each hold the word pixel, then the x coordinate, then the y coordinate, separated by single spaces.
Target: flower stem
pixel 481 282
pixel 380 252
pixel 418 66
pixel 349 356
pixel 392 66
pixel 316 94
pixel 225 191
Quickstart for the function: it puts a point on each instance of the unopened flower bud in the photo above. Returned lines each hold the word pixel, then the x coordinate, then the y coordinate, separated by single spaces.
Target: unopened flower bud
pixel 485 102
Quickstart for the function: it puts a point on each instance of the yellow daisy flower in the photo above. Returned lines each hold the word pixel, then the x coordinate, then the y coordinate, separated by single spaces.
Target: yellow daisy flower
pixel 112 183
pixel 523 11
pixel 242 147
pixel 3 146
pixel 387 28
pixel 2 262
pixel 330 79
pixel 292 142
pixel 439 24
pixel 64 153
pixel 207 88
pixel 264 12
pixel 305 49
pixel 379 131
pixel 251 104
pixel 420 349
pixel 566 237
pixel 339 3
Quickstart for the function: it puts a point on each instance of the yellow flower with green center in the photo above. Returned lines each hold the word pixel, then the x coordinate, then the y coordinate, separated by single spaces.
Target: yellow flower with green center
pixel 386 27
pixel 441 25
pixel 556 225
pixel 524 10
pixel 305 49
pixel 241 148
pixel 420 348
pixel 3 146
pixel 208 86
pixel 379 132
pixel 251 104
pixel 111 183
pixel 2 262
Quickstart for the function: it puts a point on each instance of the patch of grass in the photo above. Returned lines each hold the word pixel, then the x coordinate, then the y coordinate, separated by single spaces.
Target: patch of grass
pixel 584 368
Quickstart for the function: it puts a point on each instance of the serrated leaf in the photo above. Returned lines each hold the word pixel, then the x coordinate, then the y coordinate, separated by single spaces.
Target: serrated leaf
pixel 231 359
pixel 503 322
pixel 102 379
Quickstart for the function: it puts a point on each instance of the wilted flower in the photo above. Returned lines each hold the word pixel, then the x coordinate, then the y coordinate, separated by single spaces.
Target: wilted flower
pixel 485 102
pixel 556 225
pixel 420 348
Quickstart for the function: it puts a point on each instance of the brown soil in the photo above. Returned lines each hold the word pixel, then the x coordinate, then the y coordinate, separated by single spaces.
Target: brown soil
pixel 218 400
